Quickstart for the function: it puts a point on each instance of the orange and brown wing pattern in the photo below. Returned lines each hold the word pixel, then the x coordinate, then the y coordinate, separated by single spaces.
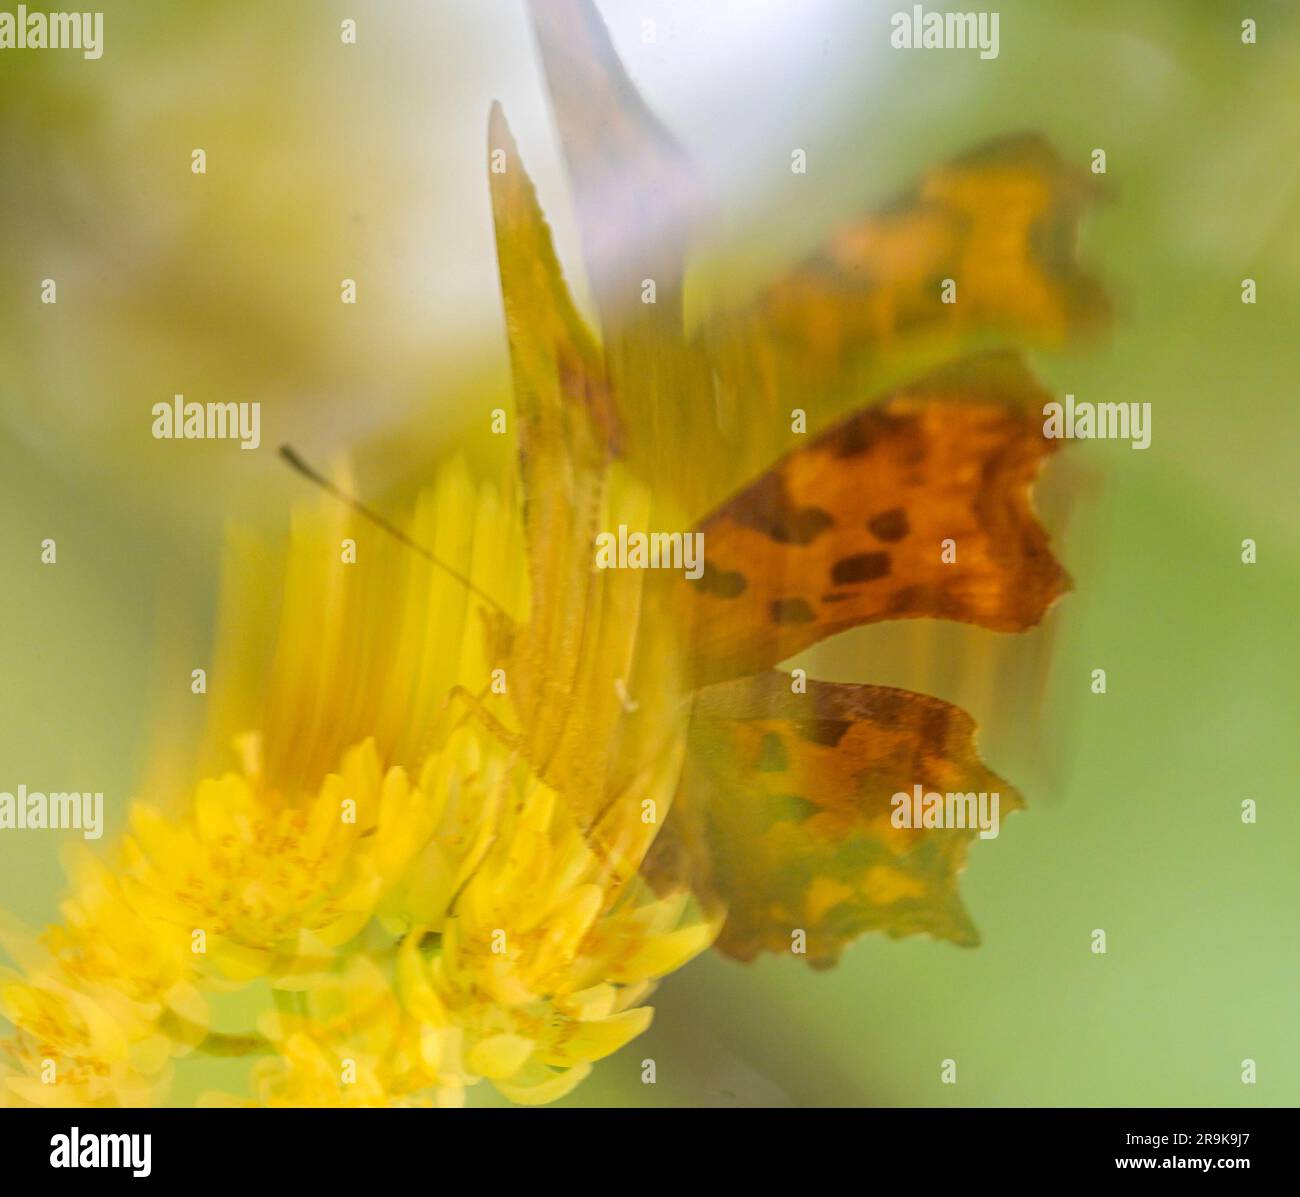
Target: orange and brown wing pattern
pixel 1000 221
pixel 916 507
pixel 980 251
pixel 785 814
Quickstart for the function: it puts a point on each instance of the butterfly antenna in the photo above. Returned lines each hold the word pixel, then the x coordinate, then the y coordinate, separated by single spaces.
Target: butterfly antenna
pixel 313 475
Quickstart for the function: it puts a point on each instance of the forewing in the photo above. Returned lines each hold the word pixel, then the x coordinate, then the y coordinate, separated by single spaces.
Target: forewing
pixel 567 431
pixel 915 507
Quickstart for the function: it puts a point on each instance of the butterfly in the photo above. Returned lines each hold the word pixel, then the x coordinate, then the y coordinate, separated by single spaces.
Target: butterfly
pixel 781 811
pixel 654 703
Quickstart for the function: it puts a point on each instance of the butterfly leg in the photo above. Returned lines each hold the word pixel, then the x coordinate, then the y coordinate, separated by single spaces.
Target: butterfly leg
pixel 474 702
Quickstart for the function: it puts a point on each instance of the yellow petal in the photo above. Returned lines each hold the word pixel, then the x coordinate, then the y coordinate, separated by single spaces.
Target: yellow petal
pixel 499 1056
pixel 597 1039
pixel 417 995
pixel 662 954
pixel 550 1088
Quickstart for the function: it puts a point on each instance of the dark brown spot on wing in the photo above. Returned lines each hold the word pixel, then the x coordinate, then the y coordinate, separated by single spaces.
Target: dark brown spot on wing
pixel 859 434
pixel 768 508
pixel 934 729
pixel 889 525
pixel 792 610
pixel 827 732
pixel 723 583
pixel 887 707
pixel 861 567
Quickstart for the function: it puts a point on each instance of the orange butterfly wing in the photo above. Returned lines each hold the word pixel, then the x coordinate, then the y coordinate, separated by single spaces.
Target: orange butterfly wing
pixel 866 311
pixel 860 524
pixel 784 814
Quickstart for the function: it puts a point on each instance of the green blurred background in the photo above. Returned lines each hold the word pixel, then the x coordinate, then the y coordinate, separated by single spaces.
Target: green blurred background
pixel 328 161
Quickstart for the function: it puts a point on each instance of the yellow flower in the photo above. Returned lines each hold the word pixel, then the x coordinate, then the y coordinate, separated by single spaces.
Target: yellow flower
pixel 103 943
pixel 352 1045
pixel 262 882
pixel 430 838
pixel 398 812
pixel 541 963
pixel 72 1050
